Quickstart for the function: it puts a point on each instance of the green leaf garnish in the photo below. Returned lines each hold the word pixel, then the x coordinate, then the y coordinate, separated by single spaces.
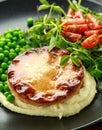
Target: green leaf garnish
pixel 64 60
pixel 59 9
pixel 44 2
pixel 40 36
pixel 52 43
pixel 75 60
pixel 96 73
pixel 43 7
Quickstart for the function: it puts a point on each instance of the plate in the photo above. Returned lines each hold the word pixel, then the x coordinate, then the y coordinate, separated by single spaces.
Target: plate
pixel 14 13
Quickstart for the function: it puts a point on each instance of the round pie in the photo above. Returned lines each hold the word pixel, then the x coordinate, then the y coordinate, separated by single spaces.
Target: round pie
pixel 36 77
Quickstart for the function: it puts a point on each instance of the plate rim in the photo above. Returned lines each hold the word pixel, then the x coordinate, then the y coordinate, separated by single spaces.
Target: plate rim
pixel 99 119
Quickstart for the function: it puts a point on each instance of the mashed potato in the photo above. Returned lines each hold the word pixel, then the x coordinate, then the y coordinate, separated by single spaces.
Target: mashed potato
pixel 63 109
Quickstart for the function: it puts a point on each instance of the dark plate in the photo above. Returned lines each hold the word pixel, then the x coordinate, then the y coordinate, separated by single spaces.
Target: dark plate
pixel 13 13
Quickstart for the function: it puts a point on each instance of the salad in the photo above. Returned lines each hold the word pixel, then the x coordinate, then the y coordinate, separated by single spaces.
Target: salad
pixel 79 31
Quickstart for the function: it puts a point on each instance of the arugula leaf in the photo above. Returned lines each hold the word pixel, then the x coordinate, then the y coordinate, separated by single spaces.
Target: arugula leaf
pixel 75 60
pixel 52 43
pixel 59 9
pixel 43 7
pixel 45 2
pixel 96 73
pixel 99 62
pixel 60 43
pixel 64 60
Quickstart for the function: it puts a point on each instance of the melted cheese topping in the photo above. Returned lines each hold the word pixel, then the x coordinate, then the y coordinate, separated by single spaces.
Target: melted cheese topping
pixel 37 77
pixel 32 69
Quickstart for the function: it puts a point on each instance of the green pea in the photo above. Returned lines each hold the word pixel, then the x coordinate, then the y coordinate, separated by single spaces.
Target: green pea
pixel 1 49
pixel 14 38
pixel 21 35
pixel 7 93
pixel 28 43
pixel 3 39
pixel 12 55
pixel 3 77
pixel 8 40
pixel 4 65
pixel 1 87
pixel 10 98
pixel 30 22
pixel 5 59
pixel 6 47
pixel 17 29
pixel 9 36
pixel 22 49
pixel 2 44
pixel 6 52
pixel 5 82
pixel 2 56
pixel 1 82
pixel 6 88
pixel 0 36
pixel 12 50
pixel 16 34
pixel 17 49
pixel 14 44
pixel 26 47
pixel 1 70
pixel 22 42
pixel 9 62
pixel 18 46
pixel 5 72
pixel 11 45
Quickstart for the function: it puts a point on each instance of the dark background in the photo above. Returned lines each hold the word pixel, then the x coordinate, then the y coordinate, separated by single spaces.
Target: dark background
pixel 14 13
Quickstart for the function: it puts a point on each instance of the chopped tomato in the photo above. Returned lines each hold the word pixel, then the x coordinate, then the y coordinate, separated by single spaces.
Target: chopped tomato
pixel 91 32
pixel 94 26
pixel 100 25
pixel 79 14
pixel 92 22
pixel 100 38
pixel 91 41
pixel 71 12
pixel 73 37
pixel 69 21
pixel 76 28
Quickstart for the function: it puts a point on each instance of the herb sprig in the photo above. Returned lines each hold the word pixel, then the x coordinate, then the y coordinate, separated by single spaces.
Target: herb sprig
pixel 47 31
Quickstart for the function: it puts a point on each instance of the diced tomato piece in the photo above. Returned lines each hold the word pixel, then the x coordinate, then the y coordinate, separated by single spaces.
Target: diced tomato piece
pixel 71 12
pixel 91 32
pixel 92 22
pixel 100 39
pixel 79 14
pixel 91 41
pixel 69 21
pixel 100 25
pixel 76 28
pixel 94 26
pixel 73 37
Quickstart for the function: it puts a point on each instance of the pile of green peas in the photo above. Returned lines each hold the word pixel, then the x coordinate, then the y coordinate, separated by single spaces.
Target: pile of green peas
pixel 12 42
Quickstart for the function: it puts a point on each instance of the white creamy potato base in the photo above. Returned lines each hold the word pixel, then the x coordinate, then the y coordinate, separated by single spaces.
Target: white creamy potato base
pixel 66 108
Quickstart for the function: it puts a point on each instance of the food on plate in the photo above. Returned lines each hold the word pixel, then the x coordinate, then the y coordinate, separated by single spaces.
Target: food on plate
pixel 52 69
pixel 44 87
pixel 36 77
